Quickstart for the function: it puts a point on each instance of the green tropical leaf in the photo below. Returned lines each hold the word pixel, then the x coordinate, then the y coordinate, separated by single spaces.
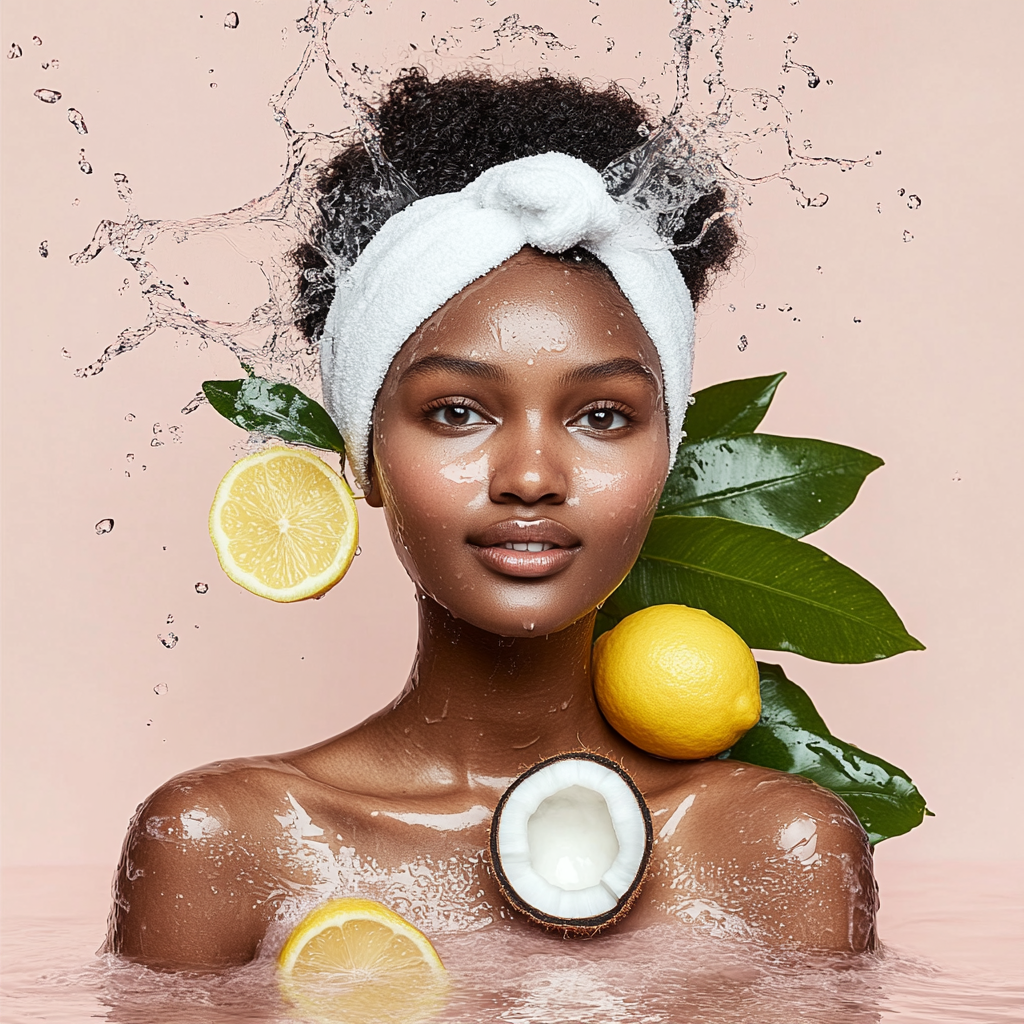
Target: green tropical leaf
pixel 792 737
pixel 794 485
pixel 733 407
pixel 778 593
pixel 278 410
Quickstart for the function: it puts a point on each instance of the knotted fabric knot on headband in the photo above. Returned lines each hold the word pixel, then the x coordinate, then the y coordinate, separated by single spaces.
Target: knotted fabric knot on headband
pixel 428 252
pixel 559 202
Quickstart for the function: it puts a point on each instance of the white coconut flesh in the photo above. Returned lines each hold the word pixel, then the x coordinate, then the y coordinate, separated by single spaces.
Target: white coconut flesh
pixel 572 840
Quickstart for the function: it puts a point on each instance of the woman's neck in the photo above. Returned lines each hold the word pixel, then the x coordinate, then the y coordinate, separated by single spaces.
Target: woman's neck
pixel 489 703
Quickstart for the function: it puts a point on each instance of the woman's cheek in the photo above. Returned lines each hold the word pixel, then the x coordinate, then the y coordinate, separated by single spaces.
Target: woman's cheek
pixel 466 480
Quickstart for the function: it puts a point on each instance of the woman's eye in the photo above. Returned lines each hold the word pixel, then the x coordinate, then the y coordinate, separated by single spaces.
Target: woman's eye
pixel 456 416
pixel 603 419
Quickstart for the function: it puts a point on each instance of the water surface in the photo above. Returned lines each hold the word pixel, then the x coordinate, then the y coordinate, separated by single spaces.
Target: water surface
pixel 954 950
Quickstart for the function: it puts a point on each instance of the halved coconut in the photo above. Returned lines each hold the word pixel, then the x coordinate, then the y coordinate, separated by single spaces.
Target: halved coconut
pixel 571 839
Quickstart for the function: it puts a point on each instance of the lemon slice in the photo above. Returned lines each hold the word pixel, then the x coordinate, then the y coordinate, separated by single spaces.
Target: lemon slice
pixel 284 524
pixel 355 960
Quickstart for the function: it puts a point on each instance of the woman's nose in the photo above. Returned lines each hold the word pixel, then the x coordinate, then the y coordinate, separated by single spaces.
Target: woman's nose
pixel 528 465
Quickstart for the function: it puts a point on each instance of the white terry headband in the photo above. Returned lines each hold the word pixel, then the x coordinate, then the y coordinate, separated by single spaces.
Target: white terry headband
pixel 428 252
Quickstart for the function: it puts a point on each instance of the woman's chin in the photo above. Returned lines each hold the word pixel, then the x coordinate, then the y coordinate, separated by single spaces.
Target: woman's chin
pixel 518 622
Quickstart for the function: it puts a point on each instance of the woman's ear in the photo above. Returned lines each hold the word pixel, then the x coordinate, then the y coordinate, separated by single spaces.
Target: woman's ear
pixel 373 495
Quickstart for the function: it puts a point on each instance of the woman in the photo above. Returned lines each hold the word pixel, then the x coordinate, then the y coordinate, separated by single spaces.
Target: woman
pixel 521 437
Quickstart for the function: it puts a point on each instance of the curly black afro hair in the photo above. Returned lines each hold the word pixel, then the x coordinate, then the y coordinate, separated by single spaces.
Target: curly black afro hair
pixel 443 134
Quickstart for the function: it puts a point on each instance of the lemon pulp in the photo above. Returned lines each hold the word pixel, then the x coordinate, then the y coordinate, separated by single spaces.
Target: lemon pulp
pixel 355 960
pixel 284 525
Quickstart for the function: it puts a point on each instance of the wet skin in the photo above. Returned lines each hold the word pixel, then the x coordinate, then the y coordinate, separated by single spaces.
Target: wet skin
pixel 528 409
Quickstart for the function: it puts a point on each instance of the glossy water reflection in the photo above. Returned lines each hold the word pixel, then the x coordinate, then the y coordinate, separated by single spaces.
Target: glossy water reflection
pixel 955 949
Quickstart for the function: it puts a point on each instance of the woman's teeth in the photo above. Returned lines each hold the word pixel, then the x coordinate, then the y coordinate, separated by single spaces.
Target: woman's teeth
pixel 528 546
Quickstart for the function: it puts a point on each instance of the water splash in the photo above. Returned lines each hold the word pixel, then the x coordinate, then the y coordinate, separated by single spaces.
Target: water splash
pixel 707 142
pixel 76 118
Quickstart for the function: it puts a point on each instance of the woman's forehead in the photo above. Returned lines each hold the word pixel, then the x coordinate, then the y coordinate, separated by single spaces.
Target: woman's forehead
pixel 533 306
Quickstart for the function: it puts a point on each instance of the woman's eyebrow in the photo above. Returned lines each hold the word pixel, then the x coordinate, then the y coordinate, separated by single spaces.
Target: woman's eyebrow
pixel 621 367
pixel 454 365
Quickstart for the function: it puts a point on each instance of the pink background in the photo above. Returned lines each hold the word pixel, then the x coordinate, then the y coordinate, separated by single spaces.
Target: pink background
pixel 906 349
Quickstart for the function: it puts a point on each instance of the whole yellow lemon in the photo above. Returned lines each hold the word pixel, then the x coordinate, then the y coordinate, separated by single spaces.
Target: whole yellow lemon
pixel 676 682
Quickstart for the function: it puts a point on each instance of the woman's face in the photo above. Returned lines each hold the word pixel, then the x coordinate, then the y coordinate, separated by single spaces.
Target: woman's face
pixel 520 446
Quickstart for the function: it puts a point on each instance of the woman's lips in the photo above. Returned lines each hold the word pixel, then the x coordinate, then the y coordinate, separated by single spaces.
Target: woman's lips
pixel 526 547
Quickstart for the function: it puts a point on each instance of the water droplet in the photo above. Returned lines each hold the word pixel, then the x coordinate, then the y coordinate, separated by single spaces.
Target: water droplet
pixel 732 308
pixel 176 434
pixel 691 400
pixel 907 236
pixel 742 346
pixel 83 165
pixel 231 19
pixel 914 202
pixel 791 38
pixel 901 191
pixel 202 588
pixel 104 526
pixel 47 95
pixel 359 550
pixel 129 418
pixel 75 117
pixel 14 52
pixel 786 309
pixel 36 41
pixel 167 639
pixel 44 248
pixel 149 722
pixel 213 85
pixel 160 689
pixel 170 618
pixel 760 305
pixel 156 444
pixel 856 320
pixel 808 144
pixel 194 403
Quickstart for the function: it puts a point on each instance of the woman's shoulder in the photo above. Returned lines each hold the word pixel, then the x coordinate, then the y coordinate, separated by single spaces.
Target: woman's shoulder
pixel 207 860
pixel 791 853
